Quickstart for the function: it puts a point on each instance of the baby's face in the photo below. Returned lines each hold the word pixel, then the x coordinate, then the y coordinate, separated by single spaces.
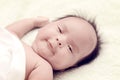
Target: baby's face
pixel 65 42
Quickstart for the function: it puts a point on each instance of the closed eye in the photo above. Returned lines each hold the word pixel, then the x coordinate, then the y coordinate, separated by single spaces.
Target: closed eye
pixel 70 48
pixel 59 29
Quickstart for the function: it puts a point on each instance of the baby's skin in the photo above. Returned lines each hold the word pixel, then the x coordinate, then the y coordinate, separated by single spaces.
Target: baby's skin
pixel 58 45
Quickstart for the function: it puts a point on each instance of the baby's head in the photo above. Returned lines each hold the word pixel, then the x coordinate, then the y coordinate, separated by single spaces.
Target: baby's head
pixel 67 42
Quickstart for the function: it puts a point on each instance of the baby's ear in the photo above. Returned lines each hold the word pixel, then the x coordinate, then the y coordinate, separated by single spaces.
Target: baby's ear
pixel 41 21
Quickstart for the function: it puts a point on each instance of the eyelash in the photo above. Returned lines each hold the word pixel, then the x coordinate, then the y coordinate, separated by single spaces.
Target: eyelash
pixel 70 48
pixel 59 29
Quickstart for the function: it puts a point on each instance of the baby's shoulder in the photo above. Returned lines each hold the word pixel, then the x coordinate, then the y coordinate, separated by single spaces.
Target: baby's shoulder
pixel 43 66
pixel 44 71
pixel 41 72
pixel 36 66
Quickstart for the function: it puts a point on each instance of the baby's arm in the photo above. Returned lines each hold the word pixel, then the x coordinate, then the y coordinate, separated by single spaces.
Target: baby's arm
pixel 20 28
pixel 41 73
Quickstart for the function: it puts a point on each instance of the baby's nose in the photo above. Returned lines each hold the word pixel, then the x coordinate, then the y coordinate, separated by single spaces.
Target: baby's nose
pixel 60 42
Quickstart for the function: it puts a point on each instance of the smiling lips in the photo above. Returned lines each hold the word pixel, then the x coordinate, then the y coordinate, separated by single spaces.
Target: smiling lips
pixel 50 46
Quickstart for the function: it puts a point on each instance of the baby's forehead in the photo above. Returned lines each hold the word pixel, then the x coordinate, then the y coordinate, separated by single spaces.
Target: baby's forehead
pixel 67 18
pixel 72 20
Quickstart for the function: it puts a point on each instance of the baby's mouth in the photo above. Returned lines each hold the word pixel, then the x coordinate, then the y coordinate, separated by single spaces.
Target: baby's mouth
pixel 50 46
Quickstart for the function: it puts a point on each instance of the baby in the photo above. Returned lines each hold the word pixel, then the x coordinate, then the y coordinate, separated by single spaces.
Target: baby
pixel 59 45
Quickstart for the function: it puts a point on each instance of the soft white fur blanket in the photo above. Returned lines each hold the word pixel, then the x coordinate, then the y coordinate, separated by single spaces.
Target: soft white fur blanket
pixel 107 13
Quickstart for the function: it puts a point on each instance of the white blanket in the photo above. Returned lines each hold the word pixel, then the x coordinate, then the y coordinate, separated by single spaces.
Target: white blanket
pixel 12 57
pixel 107 13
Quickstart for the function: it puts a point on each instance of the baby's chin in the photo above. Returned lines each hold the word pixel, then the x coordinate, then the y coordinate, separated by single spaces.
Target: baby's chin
pixel 34 47
pixel 59 67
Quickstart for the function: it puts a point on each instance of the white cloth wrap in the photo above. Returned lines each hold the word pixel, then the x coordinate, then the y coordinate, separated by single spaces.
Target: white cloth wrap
pixel 12 57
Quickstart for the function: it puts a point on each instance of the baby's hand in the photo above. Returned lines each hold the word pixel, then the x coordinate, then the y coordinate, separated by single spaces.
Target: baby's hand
pixel 41 21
